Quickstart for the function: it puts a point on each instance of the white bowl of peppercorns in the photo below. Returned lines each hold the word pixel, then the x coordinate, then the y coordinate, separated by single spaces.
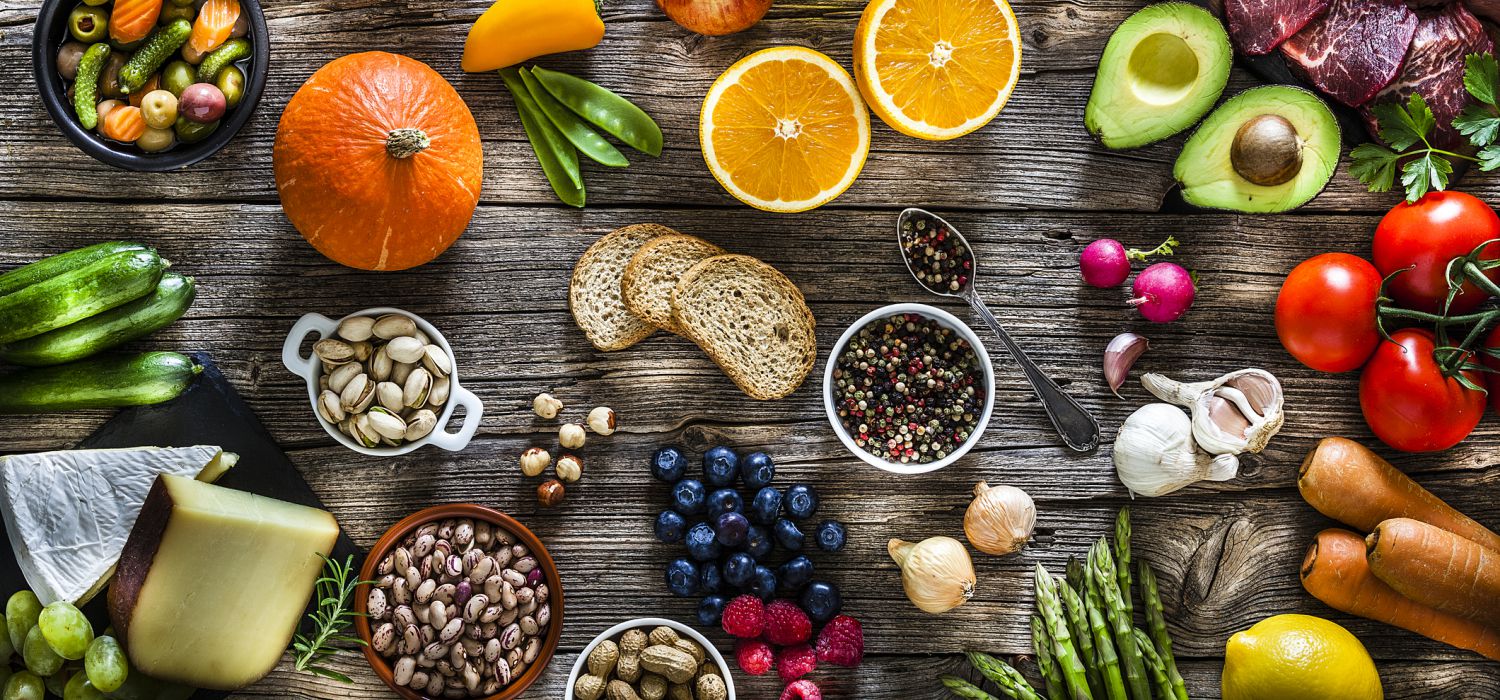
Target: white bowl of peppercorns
pixel 909 388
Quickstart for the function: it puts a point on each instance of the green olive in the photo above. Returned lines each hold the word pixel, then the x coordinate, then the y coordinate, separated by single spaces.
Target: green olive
pixel 155 140
pixel 193 132
pixel 95 2
pixel 177 76
pixel 190 3
pixel 175 12
pixel 109 78
pixel 231 82
pixel 192 55
pixel 88 24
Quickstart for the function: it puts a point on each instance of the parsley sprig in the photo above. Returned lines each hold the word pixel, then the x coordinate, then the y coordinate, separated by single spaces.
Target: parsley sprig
pixel 330 621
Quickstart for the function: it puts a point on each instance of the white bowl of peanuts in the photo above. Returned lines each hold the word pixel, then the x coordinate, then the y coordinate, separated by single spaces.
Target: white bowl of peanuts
pixel 662 651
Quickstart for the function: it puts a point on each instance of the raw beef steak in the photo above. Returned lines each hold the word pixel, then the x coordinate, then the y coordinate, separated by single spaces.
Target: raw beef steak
pixel 1488 9
pixel 1434 68
pixel 1354 49
pixel 1259 26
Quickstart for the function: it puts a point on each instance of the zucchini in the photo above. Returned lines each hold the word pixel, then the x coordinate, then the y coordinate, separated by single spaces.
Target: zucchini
pixel 73 296
pixel 101 382
pixel 50 267
pixel 120 325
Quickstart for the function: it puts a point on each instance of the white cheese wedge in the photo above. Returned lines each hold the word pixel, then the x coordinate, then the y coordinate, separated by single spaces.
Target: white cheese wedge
pixel 213 582
pixel 69 513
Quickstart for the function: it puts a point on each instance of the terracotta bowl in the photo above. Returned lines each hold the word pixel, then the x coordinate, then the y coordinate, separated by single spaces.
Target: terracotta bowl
pixel 470 511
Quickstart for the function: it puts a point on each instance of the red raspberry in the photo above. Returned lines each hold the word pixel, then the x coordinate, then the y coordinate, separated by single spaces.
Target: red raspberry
pixel 787 624
pixel 842 642
pixel 795 662
pixel 802 690
pixel 745 617
pixel 754 656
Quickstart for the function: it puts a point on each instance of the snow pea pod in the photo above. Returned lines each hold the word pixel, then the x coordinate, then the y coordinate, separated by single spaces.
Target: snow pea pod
pixel 585 139
pixel 559 158
pixel 604 109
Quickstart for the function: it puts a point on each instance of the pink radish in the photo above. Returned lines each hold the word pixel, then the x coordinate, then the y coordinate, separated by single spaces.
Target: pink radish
pixel 1163 292
pixel 1104 263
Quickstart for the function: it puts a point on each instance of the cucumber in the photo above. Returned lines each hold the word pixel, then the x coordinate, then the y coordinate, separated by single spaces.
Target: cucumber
pixel 47 268
pixel 86 85
pixel 101 382
pixel 148 59
pixel 120 325
pixel 232 50
pixel 73 296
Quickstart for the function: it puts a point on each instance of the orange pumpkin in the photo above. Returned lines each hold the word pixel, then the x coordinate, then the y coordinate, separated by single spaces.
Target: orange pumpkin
pixel 378 162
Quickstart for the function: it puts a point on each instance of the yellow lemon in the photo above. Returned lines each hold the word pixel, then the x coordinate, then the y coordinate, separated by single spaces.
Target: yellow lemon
pixel 1298 657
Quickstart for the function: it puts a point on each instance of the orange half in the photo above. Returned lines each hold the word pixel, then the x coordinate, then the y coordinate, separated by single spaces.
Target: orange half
pixel 784 129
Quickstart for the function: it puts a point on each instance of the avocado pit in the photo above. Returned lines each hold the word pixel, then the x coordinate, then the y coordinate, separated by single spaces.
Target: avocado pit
pixel 1267 150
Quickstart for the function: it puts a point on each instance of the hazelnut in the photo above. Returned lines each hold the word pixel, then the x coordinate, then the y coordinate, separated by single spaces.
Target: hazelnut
pixel 546 406
pixel 602 420
pixel 569 468
pixel 534 461
pixel 550 493
pixel 572 436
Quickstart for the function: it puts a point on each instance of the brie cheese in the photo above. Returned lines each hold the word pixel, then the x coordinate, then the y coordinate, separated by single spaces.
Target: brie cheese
pixel 69 513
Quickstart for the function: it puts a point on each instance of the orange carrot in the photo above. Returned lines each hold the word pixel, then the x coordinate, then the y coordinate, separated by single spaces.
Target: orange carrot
pixel 1349 483
pixel 215 21
pixel 123 124
pixel 1437 568
pixel 1335 571
pixel 132 20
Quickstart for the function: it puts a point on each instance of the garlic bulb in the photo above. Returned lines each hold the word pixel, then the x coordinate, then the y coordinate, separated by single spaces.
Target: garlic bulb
pixel 1000 519
pixel 1155 453
pixel 936 572
pixel 1238 412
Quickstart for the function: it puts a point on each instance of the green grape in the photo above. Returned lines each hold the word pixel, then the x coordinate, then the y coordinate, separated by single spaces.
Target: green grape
pixel 5 674
pixel 79 688
pixel 105 664
pixel 21 613
pixel 6 649
pixel 40 659
pixel 57 682
pixel 66 629
pixel 25 685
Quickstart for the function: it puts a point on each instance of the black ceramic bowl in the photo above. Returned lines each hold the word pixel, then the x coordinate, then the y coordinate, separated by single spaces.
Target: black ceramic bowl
pixel 50 33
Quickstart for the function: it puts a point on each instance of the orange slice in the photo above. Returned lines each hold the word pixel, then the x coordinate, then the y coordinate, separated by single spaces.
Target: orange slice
pixel 937 69
pixel 785 130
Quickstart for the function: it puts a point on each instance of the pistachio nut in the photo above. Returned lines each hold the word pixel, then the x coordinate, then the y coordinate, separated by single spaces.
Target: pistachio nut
pixel 358 394
pixel 381 365
pixel 340 376
pixel 405 349
pixel 436 361
pixel 400 371
pixel 419 335
pixel 417 387
pixel 330 407
pixel 387 424
pixel 392 326
pixel 420 425
pixel 363 349
pixel 333 352
pixel 356 328
pixel 364 434
pixel 440 389
pixel 389 395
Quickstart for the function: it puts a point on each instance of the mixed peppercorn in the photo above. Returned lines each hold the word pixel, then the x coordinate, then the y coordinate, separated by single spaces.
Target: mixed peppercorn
pixel 908 389
pixel 938 257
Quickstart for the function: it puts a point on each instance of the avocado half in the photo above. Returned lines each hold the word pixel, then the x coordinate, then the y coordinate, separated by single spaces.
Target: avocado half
pixel 1162 70
pixel 1265 150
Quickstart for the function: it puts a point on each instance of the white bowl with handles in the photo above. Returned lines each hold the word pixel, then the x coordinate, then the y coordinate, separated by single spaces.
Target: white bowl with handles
pixel 310 368
pixel 580 666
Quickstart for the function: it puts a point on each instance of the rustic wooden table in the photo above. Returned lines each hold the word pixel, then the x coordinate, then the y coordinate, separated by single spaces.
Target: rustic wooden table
pixel 1029 190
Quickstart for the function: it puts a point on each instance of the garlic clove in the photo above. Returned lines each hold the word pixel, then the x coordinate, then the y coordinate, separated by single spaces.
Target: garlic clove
pixel 1155 453
pixel 1236 413
pixel 1119 356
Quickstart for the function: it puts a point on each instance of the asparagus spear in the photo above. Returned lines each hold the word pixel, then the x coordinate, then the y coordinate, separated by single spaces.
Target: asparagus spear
pixel 1063 651
pixel 1104 646
pixel 1119 620
pixel 1009 680
pixel 1156 621
pixel 1122 557
pixel 965 689
pixel 1041 643
pixel 1083 637
pixel 1077 578
pixel 1154 665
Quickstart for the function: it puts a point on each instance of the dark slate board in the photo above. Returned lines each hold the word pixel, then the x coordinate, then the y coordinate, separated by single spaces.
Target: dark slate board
pixel 210 412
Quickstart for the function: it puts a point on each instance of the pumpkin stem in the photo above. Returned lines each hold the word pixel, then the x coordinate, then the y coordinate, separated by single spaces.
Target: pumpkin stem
pixel 405 143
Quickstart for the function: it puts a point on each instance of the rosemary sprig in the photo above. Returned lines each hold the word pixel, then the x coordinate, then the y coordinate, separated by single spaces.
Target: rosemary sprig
pixel 330 621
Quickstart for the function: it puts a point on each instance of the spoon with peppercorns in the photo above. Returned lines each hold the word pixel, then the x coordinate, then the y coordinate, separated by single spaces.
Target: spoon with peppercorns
pixel 939 257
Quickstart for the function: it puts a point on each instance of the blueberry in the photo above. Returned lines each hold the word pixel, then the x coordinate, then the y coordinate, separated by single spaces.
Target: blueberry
pixel 670 526
pixel 766 506
pixel 796 572
pixel 709 578
pixel 723 501
pixel 688 497
pixel 669 464
pixel 739 568
pixel 787 534
pixel 801 501
pixel 821 601
pixel 682 577
pixel 758 542
pixel 701 543
pixel 763 583
pixel 831 536
pixel 757 470
pixel 710 610
pixel 732 529
pixel 719 466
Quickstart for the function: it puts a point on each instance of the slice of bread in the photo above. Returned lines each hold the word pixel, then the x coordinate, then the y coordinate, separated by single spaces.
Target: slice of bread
pixel 751 320
pixel 594 293
pixel 654 272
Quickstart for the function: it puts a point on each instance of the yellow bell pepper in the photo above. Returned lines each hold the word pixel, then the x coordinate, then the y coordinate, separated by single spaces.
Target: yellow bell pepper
pixel 512 31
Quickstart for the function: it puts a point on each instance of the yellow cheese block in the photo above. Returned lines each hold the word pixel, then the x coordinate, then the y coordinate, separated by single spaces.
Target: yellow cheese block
pixel 213 582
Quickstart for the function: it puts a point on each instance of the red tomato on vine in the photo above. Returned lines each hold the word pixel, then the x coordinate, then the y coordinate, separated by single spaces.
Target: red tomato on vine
pixel 1409 403
pixel 1325 312
pixel 1425 235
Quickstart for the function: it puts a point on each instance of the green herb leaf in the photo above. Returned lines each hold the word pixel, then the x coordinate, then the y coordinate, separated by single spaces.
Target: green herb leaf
pixel 1482 77
pixel 1479 123
pixel 331 619
pixel 1427 172
pixel 1489 158
pixel 1374 165
pixel 1399 126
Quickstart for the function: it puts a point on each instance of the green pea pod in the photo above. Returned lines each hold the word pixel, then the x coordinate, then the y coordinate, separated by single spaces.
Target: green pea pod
pixel 232 50
pixel 587 140
pixel 86 84
pixel 159 47
pixel 558 157
pixel 604 109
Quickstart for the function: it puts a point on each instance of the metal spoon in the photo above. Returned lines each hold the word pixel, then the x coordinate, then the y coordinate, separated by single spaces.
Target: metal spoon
pixel 953 276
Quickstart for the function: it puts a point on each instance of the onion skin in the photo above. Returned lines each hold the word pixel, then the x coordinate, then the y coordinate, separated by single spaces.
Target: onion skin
pixel 936 572
pixel 715 17
pixel 1000 519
